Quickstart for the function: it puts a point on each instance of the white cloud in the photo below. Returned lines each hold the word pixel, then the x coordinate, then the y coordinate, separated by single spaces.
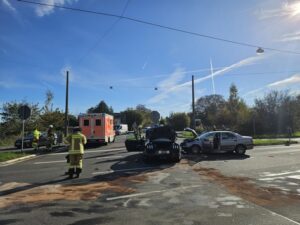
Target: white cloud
pixel 278 85
pixel 13 84
pixel 254 92
pixel 289 10
pixel 173 79
pixel 186 86
pixel 285 82
pixel 46 10
pixel 9 5
pixel 290 37
pixel 144 66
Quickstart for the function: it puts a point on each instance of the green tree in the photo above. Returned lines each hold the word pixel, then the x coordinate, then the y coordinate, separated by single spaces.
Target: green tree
pixel 131 116
pixel 146 114
pixel 179 121
pixel 275 112
pixel 73 121
pixel 209 109
pixel 163 121
pixel 10 122
pixel 236 113
pixel 55 118
pixel 102 107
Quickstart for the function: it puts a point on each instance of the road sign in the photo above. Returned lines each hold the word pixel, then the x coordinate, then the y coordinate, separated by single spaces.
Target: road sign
pixel 24 112
pixel 155 116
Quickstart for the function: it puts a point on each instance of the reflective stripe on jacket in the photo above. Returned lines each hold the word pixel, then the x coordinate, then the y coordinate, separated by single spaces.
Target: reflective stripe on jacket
pixel 76 142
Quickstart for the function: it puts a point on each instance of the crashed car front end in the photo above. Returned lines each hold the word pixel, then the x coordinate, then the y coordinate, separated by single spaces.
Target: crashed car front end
pixel 162 148
pixel 161 144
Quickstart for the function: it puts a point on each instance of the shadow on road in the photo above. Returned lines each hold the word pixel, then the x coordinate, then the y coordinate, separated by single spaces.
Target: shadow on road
pixel 122 171
pixel 131 165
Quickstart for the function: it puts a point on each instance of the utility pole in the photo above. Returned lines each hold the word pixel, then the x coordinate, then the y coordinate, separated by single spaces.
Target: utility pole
pixel 193 103
pixel 67 105
pixel 254 129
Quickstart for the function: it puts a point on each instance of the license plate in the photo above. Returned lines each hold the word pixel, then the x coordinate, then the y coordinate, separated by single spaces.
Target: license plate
pixel 163 152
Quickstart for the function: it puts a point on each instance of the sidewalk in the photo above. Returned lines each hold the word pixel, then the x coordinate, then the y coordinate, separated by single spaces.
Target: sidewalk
pixel 3 148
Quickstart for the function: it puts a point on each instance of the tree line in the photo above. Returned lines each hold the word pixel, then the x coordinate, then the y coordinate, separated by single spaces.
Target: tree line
pixel 275 113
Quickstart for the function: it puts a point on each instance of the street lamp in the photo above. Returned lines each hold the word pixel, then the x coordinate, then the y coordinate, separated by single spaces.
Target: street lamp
pixel 260 51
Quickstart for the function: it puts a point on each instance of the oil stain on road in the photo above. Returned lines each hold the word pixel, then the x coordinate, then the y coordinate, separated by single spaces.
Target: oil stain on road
pixel 247 189
pixel 71 192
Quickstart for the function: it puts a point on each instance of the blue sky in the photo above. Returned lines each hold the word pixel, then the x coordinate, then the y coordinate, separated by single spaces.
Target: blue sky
pixel 38 44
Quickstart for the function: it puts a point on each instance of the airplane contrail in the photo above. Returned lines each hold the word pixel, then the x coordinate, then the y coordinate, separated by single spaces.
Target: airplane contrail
pixel 212 77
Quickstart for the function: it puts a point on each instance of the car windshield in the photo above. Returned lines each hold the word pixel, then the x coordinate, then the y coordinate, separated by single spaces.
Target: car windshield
pixel 205 135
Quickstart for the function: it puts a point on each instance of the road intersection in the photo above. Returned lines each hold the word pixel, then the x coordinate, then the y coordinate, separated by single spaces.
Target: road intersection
pixel 117 187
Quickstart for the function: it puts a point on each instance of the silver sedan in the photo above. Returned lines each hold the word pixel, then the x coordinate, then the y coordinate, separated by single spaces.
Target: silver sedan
pixel 218 141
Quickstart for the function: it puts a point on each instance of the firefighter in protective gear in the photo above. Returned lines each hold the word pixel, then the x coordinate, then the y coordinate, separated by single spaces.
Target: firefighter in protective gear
pixel 36 137
pixel 50 137
pixel 76 150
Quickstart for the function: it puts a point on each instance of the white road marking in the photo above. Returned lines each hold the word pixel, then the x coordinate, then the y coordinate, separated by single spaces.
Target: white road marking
pixel 152 192
pixel 92 151
pixel 275 147
pixel 125 170
pixel 287 151
pixel 48 162
pixel 280 174
pixel 277 214
pixel 110 157
pixel 297 177
pixel 125 204
pixel 64 161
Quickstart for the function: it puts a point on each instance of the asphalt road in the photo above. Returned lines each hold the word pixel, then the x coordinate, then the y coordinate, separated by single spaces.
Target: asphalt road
pixel 117 187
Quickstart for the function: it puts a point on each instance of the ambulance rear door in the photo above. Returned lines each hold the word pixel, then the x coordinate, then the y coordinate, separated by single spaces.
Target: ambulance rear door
pixel 98 127
pixel 86 126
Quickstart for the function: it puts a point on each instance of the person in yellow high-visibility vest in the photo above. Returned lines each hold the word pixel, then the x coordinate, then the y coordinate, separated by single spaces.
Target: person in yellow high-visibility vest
pixel 76 150
pixel 36 138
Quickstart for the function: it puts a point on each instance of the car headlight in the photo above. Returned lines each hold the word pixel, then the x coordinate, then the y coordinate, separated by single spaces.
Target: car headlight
pixel 150 146
pixel 175 146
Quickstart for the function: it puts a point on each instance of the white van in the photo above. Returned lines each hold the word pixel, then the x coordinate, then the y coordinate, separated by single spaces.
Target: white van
pixel 121 129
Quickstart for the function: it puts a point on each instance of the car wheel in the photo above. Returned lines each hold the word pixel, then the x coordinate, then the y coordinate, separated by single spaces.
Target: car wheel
pixel 195 149
pixel 240 150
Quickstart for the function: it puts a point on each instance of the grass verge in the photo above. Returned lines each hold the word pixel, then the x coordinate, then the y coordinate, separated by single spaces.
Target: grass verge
pixel 8 141
pixel 5 156
pixel 258 142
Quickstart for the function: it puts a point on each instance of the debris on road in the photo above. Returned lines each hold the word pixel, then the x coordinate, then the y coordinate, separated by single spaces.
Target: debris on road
pixel 247 189
pixel 73 192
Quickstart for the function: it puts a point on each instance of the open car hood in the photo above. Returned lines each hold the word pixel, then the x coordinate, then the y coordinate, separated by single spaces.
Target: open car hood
pixel 192 131
pixel 162 133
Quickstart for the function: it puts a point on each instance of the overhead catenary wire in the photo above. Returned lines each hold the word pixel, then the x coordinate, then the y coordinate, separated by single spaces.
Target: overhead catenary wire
pixel 104 35
pixel 161 26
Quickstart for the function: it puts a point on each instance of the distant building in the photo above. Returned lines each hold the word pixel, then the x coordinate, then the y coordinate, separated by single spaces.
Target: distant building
pixel 117 118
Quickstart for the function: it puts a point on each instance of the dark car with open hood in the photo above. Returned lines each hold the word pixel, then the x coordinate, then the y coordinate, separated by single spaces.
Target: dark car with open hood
pixel 161 144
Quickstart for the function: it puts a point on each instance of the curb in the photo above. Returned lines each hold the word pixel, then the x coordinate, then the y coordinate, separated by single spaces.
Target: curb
pixel 13 161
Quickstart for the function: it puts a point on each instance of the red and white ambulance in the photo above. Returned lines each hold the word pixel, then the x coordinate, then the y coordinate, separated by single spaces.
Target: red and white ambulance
pixel 97 127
